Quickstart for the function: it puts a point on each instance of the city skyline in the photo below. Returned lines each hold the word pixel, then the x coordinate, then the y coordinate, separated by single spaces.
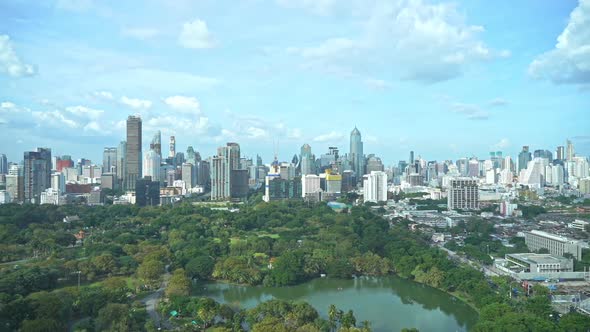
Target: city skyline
pixel 303 72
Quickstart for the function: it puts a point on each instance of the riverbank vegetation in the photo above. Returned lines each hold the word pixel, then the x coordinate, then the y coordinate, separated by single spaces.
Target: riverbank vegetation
pixel 276 244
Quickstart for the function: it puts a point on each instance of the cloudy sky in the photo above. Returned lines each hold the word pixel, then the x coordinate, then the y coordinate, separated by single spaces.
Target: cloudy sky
pixel 446 79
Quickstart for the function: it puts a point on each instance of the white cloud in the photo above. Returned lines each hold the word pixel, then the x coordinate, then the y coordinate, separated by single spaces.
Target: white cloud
pixel 320 7
pixel 196 35
pixel 86 112
pixel 294 133
pixel 502 144
pixel 255 132
pixel 104 95
pixel 330 137
pixel 54 119
pixel 75 5
pixel 377 84
pixel 10 107
pixel 473 112
pixel 93 126
pixel 497 102
pixel 426 42
pixel 184 104
pixel 136 103
pixel 569 61
pixel 7 105
pixel 140 33
pixel 10 63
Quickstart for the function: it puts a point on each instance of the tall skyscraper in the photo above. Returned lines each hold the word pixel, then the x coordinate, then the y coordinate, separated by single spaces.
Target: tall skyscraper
pixel 151 165
pixel 133 155
pixel 375 187
pixel 37 175
pixel 172 153
pixel 109 160
pixel 307 160
pixel 523 158
pixel 560 153
pixel 411 157
pixel 121 164
pixel 156 143
pixel 3 164
pixel 463 194
pixel 356 154
pixel 227 159
pixel 569 151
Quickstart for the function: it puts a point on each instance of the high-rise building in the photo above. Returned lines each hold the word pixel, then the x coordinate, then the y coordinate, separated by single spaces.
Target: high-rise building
pixel 411 158
pixel 584 186
pixel 463 194
pixel 546 154
pixel 172 153
pixel 534 173
pixel 151 165
pixel 523 158
pixel 37 174
pixel 333 182
pixel 133 156
pixel 310 184
pixel 15 183
pixel 58 183
pixel 188 177
pixel 560 153
pixel 375 187
pixel 356 154
pixel 558 175
pixel 3 164
pixel 121 164
pixel 307 160
pixel 239 183
pixel 569 151
pixel 473 168
pixel 147 192
pixel 227 159
pixel 109 160
pixel 374 164
pixel 156 144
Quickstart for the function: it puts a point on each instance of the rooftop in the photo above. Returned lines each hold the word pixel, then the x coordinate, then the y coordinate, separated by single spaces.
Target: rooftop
pixel 533 258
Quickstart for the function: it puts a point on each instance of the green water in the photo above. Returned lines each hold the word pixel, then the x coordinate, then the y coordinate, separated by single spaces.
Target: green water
pixel 389 303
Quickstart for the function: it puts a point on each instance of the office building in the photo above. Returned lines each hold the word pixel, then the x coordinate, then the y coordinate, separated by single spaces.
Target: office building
pixel 156 143
pixel 133 155
pixel 121 153
pixel 50 196
pixel 58 183
pixel 37 174
pixel 239 183
pixel 356 154
pixel 560 153
pixel 310 184
pixel 333 182
pixel 557 175
pixel 109 160
pixel 147 192
pixel 3 164
pixel 374 164
pixel 15 183
pixel 463 194
pixel 534 174
pixel 375 187
pixel 546 154
pixel 584 186
pixel 108 181
pixel 227 159
pixel 540 263
pixel 523 158
pixel 307 160
pixel 151 165
pixel 557 245
pixel 172 151
pixel 63 162
pixel 569 151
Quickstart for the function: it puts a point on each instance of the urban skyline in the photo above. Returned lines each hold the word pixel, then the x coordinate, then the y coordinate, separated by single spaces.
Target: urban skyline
pixel 207 82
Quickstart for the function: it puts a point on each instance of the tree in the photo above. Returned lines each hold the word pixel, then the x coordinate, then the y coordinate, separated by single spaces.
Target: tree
pixel 200 267
pixel 150 271
pixel 348 320
pixel 574 322
pixel 41 325
pixel 114 317
pixel 179 284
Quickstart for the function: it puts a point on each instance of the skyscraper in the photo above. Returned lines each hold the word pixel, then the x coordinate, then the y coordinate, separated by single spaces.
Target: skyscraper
pixel 151 165
pixel 133 155
pixel 560 153
pixel 156 143
pixel 37 175
pixel 172 153
pixel 569 151
pixel 356 153
pixel 109 160
pixel 307 160
pixel 227 159
pixel 121 153
pixel 3 164
pixel 523 158
pixel 375 187
pixel 463 194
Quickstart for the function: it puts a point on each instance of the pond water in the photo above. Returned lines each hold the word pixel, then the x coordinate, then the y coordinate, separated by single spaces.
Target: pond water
pixel 389 303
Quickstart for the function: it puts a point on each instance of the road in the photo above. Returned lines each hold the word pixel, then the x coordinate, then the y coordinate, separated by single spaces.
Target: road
pixel 487 271
pixel 151 302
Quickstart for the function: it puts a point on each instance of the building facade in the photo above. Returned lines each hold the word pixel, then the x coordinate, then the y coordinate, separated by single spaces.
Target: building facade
pixel 133 155
pixel 375 187
pixel 463 194
pixel 557 245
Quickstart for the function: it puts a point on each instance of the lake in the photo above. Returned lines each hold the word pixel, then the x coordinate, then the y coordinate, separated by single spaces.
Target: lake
pixel 389 303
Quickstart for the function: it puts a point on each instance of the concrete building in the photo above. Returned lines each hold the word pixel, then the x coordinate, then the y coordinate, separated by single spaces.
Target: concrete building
pixel 307 160
pixel 151 165
pixel 310 184
pixel 108 181
pixel 584 186
pixel 541 263
pixel 507 209
pixel 534 174
pixel 109 160
pixel 523 158
pixel 147 192
pixel 569 151
pixel 37 174
pixel 333 183
pixel 133 155
pixel 172 150
pixel 239 184
pixel 58 182
pixel 560 153
pixel 463 194
pixel 187 172
pixel 375 187
pixel 50 196
pixel 374 164
pixel 121 153
pixel 227 159
pixel 557 245
pixel 3 164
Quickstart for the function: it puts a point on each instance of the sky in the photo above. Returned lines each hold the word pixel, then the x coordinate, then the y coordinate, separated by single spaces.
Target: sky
pixel 444 79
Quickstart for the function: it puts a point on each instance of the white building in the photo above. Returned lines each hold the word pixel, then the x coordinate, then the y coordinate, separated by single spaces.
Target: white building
pixel 463 194
pixel 50 196
pixel 534 174
pixel 310 184
pixel 58 183
pixel 557 245
pixel 557 175
pixel 491 176
pixel 506 176
pixel 375 187
pixel 584 186
pixel 5 197
pixel 151 165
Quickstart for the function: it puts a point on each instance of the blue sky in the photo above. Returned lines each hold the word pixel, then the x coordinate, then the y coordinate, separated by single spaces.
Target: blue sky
pixel 445 79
